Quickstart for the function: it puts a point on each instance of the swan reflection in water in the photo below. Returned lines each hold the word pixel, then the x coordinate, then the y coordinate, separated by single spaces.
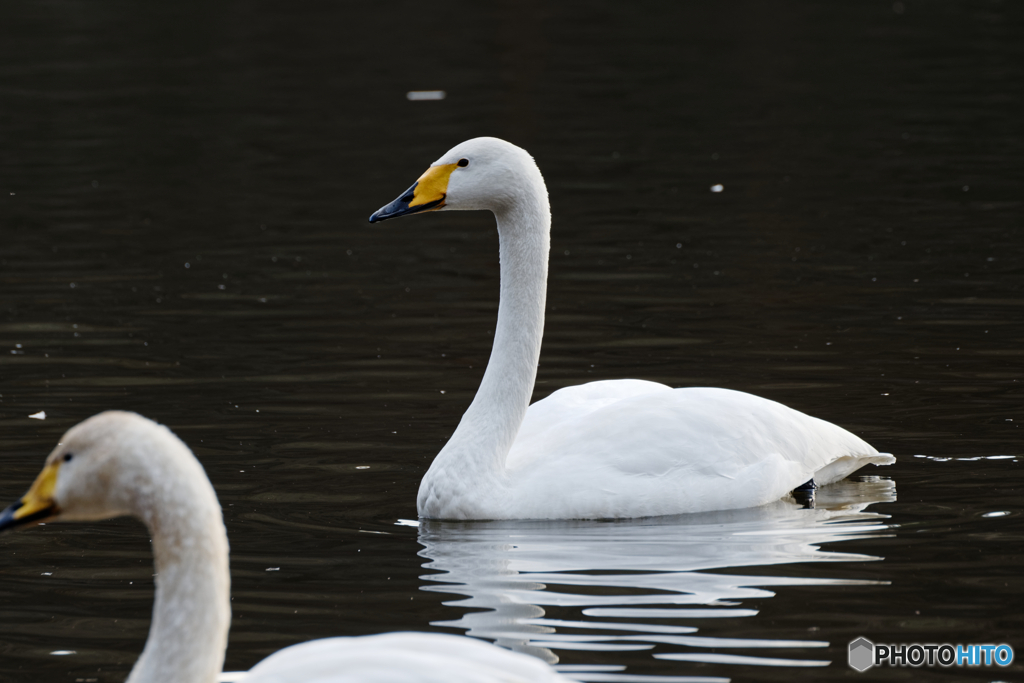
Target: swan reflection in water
pixel 639 581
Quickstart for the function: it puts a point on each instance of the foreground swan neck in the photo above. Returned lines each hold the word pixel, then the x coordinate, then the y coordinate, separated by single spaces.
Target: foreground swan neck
pixel 192 609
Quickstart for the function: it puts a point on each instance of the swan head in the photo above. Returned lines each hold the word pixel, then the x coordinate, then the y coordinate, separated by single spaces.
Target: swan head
pixel 482 173
pixel 106 466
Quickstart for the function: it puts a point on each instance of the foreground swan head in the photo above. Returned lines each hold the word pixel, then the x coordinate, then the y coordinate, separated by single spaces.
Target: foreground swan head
pixel 482 173
pixel 119 463
pixel 622 448
pixel 113 464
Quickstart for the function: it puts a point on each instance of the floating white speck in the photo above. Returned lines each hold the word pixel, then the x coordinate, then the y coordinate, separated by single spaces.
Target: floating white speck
pixel 46 574
pixel 362 467
pixel 273 569
pixel 41 415
pixel 717 188
pixel 417 95
pixel 61 653
pixel 407 522
pixel 998 513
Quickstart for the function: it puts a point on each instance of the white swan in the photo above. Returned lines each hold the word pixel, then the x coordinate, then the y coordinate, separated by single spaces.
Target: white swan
pixel 119 463
pixel 624 448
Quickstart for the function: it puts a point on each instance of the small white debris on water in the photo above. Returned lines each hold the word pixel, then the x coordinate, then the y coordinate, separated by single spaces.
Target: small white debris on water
pixel 273 569
pixel 717 188
pixel 998 513
pixel 362 467
pixel 41 415
pixel 417 95
pixel 61 653
pixel 407 522
pixel 46 574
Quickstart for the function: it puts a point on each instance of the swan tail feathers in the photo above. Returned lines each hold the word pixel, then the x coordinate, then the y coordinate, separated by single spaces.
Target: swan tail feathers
pixel 847 465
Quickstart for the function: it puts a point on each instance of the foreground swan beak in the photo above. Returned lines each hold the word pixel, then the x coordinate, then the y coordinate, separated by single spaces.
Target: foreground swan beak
pixel 37 504
pixel 426 194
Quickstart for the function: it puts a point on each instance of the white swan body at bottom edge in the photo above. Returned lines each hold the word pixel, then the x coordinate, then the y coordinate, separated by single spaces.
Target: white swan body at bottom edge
pixel 400 657
pixel 632 448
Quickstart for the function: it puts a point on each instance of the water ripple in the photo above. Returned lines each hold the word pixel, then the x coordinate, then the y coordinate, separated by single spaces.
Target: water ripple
pixel 510 575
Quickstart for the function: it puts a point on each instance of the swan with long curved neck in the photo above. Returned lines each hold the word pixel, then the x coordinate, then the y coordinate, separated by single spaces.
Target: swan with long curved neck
pixel 118 463
pixel 622 448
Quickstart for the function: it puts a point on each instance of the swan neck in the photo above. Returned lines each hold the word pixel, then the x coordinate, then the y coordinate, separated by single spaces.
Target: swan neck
pixel 192 609
pixel 468 479
pixel 508 382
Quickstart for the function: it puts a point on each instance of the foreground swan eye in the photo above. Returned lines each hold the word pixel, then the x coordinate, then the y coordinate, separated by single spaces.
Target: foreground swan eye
pixel 463 163
pixel 68 456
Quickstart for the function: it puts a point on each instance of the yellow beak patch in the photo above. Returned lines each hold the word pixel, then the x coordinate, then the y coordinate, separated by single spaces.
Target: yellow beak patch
pixel 40 494
pixel 432 186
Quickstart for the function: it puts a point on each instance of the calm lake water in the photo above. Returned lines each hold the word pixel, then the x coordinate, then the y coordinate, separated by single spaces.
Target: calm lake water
pixel 184 191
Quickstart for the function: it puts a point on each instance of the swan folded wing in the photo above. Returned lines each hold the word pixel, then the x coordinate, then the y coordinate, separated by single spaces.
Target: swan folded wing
pixel 399 658
pixel 574 402
pixel 682 450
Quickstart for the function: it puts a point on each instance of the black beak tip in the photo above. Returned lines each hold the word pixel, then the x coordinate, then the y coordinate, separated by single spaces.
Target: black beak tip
pixel 7 517
pixel 8 520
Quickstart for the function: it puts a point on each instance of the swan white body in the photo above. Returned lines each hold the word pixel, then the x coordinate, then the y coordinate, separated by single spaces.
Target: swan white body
pixel 119 463
pixel 624 448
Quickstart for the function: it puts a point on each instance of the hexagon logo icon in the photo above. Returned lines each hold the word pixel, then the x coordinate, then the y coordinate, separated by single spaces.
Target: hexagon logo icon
pixel 862 654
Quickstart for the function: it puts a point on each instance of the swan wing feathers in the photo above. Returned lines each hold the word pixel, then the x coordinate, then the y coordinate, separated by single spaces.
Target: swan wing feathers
pixel 652 450
pixel 401 658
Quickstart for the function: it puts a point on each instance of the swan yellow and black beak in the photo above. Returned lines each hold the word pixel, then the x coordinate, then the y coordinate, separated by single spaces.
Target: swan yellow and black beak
pixel 36 505
pixel 426 194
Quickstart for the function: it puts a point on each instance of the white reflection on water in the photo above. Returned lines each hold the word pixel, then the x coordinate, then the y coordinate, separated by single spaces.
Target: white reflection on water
pixel 642 573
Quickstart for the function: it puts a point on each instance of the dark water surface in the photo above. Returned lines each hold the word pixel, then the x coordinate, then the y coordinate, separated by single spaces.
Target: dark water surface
pixel 183 199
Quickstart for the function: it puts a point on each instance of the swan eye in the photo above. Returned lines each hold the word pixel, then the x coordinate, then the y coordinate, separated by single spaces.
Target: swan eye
pixel 68 456
pixel 463 163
